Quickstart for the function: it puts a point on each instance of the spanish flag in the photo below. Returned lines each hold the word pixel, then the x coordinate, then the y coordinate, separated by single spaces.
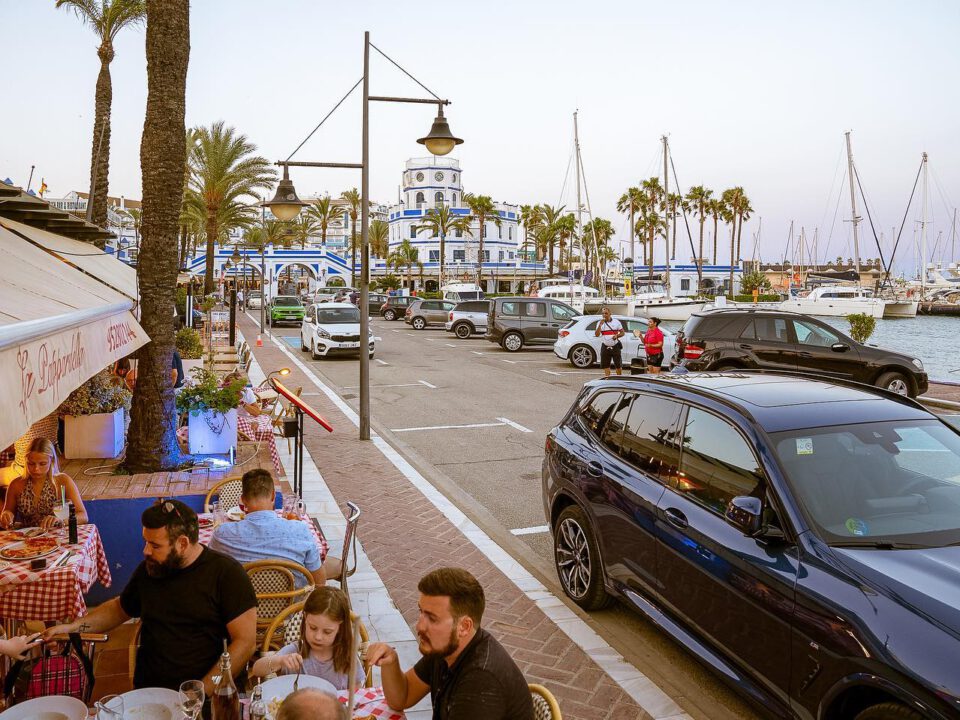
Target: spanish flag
pixel 43 187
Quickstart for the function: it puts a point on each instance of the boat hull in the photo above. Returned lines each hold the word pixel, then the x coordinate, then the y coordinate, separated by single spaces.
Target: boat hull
pixel 900 308
pixel 671 309
pixel 834 307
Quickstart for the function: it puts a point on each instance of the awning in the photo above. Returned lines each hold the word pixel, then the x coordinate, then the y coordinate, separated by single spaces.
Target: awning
pixel 58 327
pixel 82 255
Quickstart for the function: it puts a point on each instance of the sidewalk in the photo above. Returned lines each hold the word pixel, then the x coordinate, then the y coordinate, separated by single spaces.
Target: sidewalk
pixel 409 528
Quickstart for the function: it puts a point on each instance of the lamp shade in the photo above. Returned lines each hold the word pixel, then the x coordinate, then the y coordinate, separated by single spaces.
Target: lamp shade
pixel 440 141
pixel 236 257
pixel 285 205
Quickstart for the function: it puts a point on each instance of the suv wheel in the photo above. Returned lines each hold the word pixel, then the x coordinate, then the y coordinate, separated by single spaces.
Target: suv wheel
pixel 462 331
pixel 512 341
pixel 582 356
pixel 894 382
pixel 889 711
pixel 578 560
pixel 389 315
pixel 418 323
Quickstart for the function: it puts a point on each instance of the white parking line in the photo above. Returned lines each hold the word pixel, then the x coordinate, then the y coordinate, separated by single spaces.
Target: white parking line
pixel 535 530
pixel 514 362
pixel 381 361
pixel 477 353
pixel 424 382
pixel 448 427
pixel 569 372
pixel 357 387
pixel 515 426
pixel 449 344
pixel 392 330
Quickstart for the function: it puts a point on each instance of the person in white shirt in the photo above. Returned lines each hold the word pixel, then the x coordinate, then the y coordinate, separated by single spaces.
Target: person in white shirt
pixel 610 330
pixel 240 299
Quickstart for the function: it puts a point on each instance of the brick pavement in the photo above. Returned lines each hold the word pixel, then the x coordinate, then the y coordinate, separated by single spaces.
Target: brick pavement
pixel 405 536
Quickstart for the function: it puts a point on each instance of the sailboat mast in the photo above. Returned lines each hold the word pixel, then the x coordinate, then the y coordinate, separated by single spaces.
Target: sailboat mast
pixel 666 213
pixel 853 207
pixel 923 230
pixel 583 247
pixel 953 238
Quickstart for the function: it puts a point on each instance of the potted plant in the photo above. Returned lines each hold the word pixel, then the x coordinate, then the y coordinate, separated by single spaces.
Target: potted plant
pixel 190 347
pixel 212 409
pixel 94 417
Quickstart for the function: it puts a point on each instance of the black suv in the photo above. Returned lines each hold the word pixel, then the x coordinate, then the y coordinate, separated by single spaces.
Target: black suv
pixel 734 338
pixel 396 306
pixel 801 537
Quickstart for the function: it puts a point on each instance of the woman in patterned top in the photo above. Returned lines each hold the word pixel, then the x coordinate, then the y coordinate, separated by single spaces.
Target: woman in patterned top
pixel 31 498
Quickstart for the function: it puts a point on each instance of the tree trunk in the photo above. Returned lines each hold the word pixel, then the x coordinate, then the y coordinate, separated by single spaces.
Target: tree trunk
pixel 152 438
pixel 550 249
pixel 353 251
pixel 480 256
pixel 184 237
pixel 733 225
pixel 714 239
pixel 212 230
pixel 700 257
pixel 100 150
pixel 650 255
pixel 739 232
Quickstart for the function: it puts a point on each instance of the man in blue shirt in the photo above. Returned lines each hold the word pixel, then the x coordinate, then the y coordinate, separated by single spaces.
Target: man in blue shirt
pixel 263 535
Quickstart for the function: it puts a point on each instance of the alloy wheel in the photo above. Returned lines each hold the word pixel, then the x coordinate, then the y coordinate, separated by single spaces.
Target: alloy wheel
pixel 462 331
pixel 581 356
pixel 899 386
pixel 573 558
pixel 513 342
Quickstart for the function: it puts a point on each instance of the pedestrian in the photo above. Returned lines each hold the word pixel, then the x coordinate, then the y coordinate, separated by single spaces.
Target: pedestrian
pixel 534 290
pixel 653 345
pixel 610 330
pixel 240 300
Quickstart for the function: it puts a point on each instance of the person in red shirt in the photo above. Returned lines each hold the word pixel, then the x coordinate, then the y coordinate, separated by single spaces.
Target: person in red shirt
pixel 653 344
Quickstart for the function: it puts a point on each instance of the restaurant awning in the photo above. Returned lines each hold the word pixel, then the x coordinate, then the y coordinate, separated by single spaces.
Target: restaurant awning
pixel 58 327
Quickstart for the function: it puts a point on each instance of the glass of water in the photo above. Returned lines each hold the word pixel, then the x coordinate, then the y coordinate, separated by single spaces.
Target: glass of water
pixel 62 514
pixel 191 698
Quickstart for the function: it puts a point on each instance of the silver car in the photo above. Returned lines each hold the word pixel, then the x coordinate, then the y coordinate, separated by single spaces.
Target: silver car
pixel 468 318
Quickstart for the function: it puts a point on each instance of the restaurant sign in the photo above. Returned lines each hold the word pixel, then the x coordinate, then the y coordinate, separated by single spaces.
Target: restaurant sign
pixel 37 375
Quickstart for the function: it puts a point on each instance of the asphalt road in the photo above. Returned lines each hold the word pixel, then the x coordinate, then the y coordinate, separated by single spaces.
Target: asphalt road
pixel 478 415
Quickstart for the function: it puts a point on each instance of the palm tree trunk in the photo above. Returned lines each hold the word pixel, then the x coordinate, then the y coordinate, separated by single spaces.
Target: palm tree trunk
pixel 650 233
pixel 739 232
pixel 100 151
pixel 443 252
pixel 714 239
pixel 212 231
pixel 353 250
pixel 152 438
pixel 481 218
pixel 700 257
pixel 182 260
pixel 733 224
pixel 550 247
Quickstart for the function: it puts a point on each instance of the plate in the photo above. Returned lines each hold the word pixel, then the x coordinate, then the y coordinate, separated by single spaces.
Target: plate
pixel 151 704
pixel 51 707
pixel 235 513
pixel 276 689
pixel 22 550
pixel 205 522
pixel 11 536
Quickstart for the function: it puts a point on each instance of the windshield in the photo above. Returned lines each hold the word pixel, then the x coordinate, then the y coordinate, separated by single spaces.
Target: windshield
pixel 877 483
pixel 287 301
pixel 338 316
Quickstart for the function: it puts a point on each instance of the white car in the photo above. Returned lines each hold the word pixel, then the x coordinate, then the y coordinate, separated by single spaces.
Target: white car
pixel 332 329
pixel 255 299
pixel 329 292
pixel 577 343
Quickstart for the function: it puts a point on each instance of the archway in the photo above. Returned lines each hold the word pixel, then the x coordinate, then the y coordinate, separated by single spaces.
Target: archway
pixel 293 278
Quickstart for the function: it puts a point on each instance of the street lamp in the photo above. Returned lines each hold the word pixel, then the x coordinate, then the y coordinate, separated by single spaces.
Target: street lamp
pixel 286 205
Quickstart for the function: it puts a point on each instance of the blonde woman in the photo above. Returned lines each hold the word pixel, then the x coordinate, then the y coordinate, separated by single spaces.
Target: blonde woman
pixel 32 497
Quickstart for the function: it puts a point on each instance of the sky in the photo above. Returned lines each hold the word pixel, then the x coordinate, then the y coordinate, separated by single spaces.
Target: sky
pixel 756 94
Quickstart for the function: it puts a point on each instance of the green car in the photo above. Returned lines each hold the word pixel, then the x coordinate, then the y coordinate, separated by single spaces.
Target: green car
pixel 286 308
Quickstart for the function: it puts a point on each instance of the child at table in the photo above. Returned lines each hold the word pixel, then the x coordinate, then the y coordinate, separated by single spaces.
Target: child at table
pixel 324 647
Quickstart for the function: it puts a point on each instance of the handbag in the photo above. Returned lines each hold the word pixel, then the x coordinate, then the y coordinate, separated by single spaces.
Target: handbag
pixel 69 672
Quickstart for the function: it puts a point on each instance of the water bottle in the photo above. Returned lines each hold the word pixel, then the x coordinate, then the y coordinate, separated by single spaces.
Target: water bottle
pixel 72 524
pixel 258 708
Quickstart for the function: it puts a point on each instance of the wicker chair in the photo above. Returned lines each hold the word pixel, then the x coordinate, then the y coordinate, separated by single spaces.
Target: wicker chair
pixel 275 584
pixel 284 629
pixel 364 642
pixel 227 492
pixel 545 705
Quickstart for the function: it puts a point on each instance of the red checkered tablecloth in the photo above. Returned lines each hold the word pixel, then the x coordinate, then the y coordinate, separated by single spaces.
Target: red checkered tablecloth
pixel 370 701
pixel 260 429
pixel 207 532
pixel 55 593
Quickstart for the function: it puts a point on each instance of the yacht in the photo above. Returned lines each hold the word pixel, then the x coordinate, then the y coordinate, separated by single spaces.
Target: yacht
pixel 836 301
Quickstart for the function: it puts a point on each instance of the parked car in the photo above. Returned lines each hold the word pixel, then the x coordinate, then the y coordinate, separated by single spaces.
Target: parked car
pixel 329 292
pixel 286 309
pixel 331 329
pixel 374 302
pixel 254 299
pixel 513 322
pixel 396 306
pixel 724 339
pixel 577 343
pixel 801 537
pixel 422 313
pixel 461 292
pixel 467 318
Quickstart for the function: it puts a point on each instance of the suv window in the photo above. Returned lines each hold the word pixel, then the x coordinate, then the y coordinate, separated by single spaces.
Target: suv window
pixel 562 312
pixel 430 305
pixel 597 410
pixel 613 428
pixel 650 438
pixel 810 334
pixel 473 306
pixel 767 329
pixel 717 463
pixel 510 308
pixel 534 309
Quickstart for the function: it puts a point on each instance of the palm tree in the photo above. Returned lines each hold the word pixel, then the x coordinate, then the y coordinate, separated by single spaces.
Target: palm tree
pixel 481 207
pixel 406 256
pixel 441 221
pixel 353 199
pixel 531 217
pixel 380 238
pixel 223 169
pixel 652 201
pixel 305 227
pixel 629 203
pixel 675 206
pixel 551 231
pixel 600 231
pixel 566 229
pixel 326 213
pixel 152 437
pixel 650 224
pixel 107 18
pixel 699 199
pixel 737 209
pixel 715 207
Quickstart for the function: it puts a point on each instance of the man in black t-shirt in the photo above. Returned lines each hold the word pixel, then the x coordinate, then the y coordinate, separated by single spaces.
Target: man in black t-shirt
pixel 189 599
pixel 469 675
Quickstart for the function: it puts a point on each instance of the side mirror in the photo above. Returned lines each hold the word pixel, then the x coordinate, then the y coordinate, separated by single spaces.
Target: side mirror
pixel 839 347
pixel 745 513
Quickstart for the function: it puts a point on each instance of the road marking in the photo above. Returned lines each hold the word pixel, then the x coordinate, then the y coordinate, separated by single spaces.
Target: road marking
pixel 535 530
pixel 448 427
pixel 569 372
pixel 449 344
pixel 477 353
pixel 514 362
pixel 381 361
pixel 412 334
pixel 424 382
pixel 392 330
pixel 357 387
pixel 515 426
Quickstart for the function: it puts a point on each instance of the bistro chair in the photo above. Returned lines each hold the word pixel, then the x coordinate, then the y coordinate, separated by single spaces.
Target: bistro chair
pixel 349 547
pixel 362 650
pixel 283 410
pixel 545 706
pixel 284 629
pixel 227 491
pixel 132 649
pixel 275 584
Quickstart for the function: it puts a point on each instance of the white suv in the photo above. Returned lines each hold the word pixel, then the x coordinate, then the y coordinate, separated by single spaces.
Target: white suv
pixel 332 328
pixel 577 343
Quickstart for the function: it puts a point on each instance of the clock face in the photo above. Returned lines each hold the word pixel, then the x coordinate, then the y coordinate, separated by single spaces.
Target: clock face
pixel 420 177
pixel 438 176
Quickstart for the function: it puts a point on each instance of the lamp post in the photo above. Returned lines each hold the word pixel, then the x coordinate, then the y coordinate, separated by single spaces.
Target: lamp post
pixel 286 205
pixel 236 263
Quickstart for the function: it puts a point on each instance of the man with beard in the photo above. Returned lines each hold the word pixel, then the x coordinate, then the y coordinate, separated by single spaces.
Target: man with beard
pixel 189 599
pixel 468 674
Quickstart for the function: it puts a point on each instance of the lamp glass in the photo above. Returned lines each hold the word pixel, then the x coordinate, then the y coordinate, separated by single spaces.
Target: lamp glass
pixel 439 146
pixel 284 212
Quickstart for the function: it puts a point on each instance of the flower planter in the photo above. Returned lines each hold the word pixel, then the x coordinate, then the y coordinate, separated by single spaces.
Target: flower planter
pixel 212 433
pixel 188 366
pixel 93 436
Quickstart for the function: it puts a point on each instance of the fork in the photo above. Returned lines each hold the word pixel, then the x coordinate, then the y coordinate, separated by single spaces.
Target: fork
pixel 296 680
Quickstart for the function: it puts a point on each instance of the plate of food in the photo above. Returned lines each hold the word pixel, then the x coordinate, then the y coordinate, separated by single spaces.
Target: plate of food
pixel 151 704
pixel 275 690
pixel 205 521
pixel 235 513
pixel 30 549
pixel 10 536
pixel 50 707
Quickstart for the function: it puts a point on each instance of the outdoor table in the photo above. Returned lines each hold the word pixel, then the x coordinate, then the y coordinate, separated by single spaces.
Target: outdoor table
pixel 54 593
pixel 260 429
pixel 370 701
pixel 207 532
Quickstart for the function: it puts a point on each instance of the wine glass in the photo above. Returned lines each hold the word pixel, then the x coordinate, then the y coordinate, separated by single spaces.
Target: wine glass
pixel 62 514
pixel 191 698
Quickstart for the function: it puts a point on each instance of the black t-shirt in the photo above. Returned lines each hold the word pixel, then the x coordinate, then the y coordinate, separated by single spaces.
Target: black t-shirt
pixel 185 617
pixel 483 684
